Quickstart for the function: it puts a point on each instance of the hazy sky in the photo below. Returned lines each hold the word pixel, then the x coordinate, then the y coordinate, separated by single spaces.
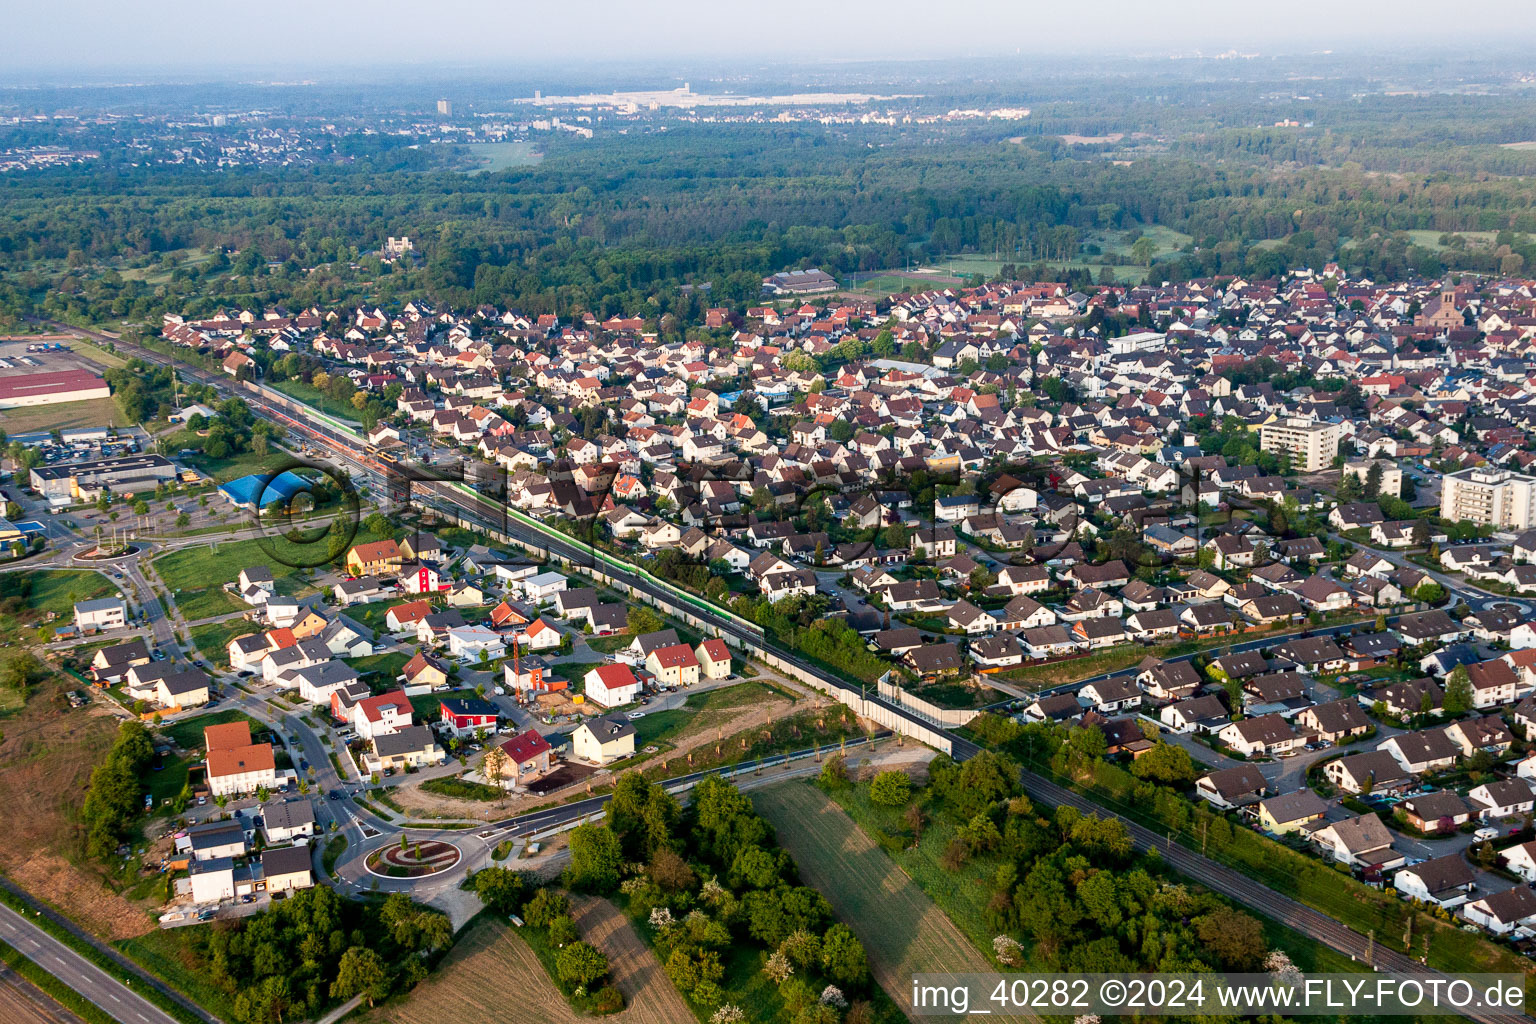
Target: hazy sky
pixel 100 35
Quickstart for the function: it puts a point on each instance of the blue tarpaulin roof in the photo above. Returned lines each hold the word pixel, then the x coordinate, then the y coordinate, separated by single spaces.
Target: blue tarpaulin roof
pixel 282 487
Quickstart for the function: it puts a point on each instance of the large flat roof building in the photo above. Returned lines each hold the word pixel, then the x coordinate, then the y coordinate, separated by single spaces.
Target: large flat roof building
pixel 1495 497
pixel 84 481
pixel 51 388
pixel 1311 444
pixel 799 282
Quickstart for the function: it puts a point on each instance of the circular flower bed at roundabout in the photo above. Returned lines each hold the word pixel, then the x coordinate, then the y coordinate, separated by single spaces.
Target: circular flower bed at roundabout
pixel 413 860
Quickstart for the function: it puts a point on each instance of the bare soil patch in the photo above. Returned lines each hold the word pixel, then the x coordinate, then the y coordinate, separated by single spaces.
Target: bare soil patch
pixel 649 995
pixel 46 757
pixel 492 977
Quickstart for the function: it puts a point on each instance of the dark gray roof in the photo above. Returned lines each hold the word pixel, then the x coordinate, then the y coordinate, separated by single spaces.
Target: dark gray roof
pixel 286 860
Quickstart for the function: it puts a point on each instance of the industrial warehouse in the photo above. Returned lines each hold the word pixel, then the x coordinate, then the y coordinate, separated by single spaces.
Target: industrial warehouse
pixel 84 481
pixel 51 388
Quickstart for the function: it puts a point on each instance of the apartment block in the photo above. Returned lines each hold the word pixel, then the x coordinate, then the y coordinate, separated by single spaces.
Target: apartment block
pixel 1312 445
pixel 1497 497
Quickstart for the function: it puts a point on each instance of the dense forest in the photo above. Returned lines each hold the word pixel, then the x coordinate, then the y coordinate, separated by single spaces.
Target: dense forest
pixel 623 221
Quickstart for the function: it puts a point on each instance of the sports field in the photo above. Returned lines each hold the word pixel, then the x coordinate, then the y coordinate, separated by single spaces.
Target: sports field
pixel 902 931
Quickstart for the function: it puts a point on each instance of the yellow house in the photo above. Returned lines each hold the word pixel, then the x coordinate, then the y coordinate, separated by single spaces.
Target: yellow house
pixel 311 624
pixel 380 557
pixel 949 463
pixel 1283 814
pixel 714 659
pixel 676 665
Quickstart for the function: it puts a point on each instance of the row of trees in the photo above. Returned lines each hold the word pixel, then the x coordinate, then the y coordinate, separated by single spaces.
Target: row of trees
pixel 114 796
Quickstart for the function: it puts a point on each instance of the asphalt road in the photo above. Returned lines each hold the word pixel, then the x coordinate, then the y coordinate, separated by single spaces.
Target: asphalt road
pixel 90 981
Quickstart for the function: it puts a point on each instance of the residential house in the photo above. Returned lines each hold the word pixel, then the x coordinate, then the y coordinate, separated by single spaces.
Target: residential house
pixel 527 756
pixel 1282 815
pixel 1361 842
pixel 603 740
pixel 1266 734
pixel 1335 721
pixel 611 686
pixel 1441 812
pixel 1501 799
pixel 1373 771
pixel 1503 912
pixel 1233 787
pixel 1446 882
pixel 1421 752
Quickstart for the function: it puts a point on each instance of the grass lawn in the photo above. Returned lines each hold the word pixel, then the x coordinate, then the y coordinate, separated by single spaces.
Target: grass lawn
pixel 488 157
pixel 212 638
pixel 664 726
pixel 1076 668
pixel 371 614
pixel 44 591
pixel 195 576
pixel 385 666
pixel 168 781
pixel 93 412
pixel 188 733
pixel 236 466
pixel 957 694
pixel 206 603
pixel 307 394
pixel 425 705
pixel 461 790
pixel 610 644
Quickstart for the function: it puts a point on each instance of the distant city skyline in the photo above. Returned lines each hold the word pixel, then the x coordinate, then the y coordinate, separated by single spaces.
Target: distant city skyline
pixel 53 41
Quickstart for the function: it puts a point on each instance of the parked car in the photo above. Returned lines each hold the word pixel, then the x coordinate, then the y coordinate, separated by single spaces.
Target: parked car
pixel 1484 835
pixel 635 714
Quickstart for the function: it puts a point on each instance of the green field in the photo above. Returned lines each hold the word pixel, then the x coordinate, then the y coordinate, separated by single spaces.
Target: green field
pixel 310 395
pixel 962 894
pixel 1430 239
pixel 205 604
pixel 235 466
pixel 962 264
pixel 903 932
pixel 212 638
pixel 94 412
pixel 488 157
pixel 50 591
pixel 196 576
pixel 897 284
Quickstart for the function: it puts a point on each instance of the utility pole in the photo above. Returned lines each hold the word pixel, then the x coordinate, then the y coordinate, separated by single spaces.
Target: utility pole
pixel 1370 946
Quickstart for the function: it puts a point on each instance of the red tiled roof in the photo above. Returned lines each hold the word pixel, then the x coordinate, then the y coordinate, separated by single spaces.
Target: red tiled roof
pixel 525 746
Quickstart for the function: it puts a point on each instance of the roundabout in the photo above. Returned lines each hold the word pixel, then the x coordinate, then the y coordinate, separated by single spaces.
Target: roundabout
pixel 413 860
pixel 100 554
